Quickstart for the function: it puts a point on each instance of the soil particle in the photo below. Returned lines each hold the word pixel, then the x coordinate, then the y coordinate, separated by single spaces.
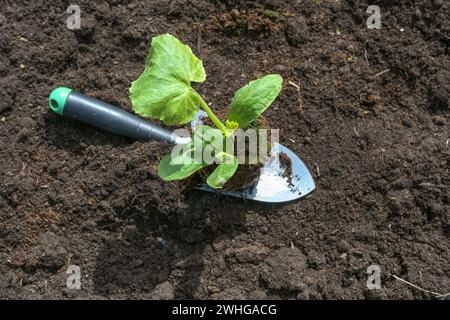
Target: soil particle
pixel 192 235
pixel 400 202
pixel 220 244
pixel 49 253
pixel 297 32
pixel 26 123
pixel 284 270
pixel 304 294
pixel 244 177
pixel 249 254
pixel 440 91
pixel 53 169
pixel 439 120
pixel 85 34
pixel 8 279
pixel 316 259
pixel 229 294
pixel 279 68
pixel 257 294
pixel 3 202
pixel 286 165
pixel 22 135
pixel 4 105
pixel 163 291
pixel 31 292
pixel 130 232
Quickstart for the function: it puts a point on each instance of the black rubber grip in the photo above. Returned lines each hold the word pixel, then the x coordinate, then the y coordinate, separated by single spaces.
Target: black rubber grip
pixel 113 119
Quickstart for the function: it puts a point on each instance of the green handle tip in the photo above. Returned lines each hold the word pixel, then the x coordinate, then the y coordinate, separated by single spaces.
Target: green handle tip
pixel 58 98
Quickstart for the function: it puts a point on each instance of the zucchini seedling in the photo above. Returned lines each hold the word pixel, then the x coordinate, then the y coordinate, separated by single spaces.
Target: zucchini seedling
pixel 163 91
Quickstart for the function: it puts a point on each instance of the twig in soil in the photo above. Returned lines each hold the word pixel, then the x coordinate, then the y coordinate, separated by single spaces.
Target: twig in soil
pixel 438 295
pixel 131 204
pixel 294 84
pixel 24 166
pixel 299 98
pixel 365 52
pixel 382 72
pixel 317 169
pixel 356 132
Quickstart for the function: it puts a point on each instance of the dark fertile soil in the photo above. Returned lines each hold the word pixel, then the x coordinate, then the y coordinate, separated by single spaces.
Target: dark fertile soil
pixel 367 110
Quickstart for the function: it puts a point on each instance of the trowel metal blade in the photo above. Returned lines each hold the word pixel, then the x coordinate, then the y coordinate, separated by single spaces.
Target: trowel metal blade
pixel 274 185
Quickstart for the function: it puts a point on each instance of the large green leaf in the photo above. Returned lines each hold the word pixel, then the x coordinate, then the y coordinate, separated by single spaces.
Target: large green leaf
pixel 252 100
pixel 182 164
pixel 163 91
pixel 170 172
pixel 223 172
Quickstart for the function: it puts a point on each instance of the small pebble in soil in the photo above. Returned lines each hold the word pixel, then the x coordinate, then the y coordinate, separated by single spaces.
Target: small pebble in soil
pixel 279 68
pixel 418 13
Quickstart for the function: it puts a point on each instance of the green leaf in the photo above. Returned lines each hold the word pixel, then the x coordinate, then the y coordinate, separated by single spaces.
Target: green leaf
pixel 180 166
pixel 252 100
pixel 189 158
pixel 212 142
pixel 163 91
pixel 171 172
pixel 207 134
pixel 223 172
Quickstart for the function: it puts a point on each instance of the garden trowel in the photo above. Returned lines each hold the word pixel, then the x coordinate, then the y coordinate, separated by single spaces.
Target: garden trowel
pixel 273 185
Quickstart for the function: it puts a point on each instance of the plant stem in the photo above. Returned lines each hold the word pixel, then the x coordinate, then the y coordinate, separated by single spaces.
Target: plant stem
pixel 213 117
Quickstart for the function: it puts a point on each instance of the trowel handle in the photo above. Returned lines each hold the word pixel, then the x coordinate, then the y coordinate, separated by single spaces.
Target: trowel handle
pixel 75 105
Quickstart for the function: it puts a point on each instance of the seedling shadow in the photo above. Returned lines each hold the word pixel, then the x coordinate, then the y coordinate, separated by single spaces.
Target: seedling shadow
pixel 159 252
pixel 163 255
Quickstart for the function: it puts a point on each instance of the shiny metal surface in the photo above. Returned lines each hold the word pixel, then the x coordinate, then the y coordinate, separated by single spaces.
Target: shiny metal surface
pixel 275 185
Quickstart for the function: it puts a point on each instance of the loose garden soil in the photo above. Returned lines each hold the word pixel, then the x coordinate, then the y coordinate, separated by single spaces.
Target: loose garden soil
pixel 367 111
